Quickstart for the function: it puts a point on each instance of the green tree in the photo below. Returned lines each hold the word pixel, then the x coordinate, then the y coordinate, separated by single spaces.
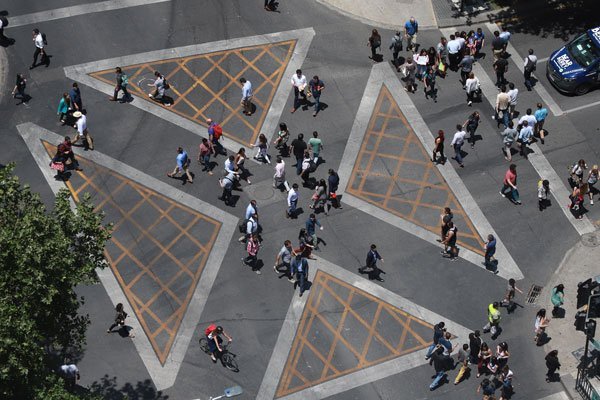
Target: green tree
pixel 44 255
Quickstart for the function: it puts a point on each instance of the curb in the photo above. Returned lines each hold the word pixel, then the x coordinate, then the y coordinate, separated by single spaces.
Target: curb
pixel 3 72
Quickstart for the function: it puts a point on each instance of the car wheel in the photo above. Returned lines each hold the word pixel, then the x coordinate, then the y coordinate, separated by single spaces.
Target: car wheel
pixel 582 89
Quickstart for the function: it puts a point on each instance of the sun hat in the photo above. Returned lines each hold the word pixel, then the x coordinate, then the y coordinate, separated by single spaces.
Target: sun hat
pixel 77 114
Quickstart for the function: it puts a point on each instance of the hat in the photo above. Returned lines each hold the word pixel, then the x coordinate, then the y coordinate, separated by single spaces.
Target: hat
pixel 77 114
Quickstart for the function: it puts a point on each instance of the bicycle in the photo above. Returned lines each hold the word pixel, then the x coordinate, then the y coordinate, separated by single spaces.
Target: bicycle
pixel 227 357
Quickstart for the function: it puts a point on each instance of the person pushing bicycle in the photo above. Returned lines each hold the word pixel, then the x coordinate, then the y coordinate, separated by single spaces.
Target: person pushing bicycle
pixel 213 336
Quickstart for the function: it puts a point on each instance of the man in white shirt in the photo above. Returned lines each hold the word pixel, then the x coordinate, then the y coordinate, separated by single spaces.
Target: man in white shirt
pixel 251 209
pixel 279 177
pixel 529 65
pixel 70 373
pixel 529 118
pixel 292 201
pixel 82 131
pixel 299 84
pixel 513 95
pixel 453 52
pixel 502 105
pixel 457 141
pixel 38 41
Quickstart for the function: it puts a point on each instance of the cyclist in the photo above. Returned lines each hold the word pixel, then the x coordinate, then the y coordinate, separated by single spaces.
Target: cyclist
pixel 214 341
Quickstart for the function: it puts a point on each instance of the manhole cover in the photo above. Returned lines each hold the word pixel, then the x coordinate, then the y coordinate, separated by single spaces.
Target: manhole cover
pixel 534 294
pixel 590 239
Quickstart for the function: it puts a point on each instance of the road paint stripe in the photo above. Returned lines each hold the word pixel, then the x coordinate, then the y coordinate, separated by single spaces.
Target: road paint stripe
pixel 557 396
pixel 539 88
pixel 74 11
pixel 594 104
pixel 543 60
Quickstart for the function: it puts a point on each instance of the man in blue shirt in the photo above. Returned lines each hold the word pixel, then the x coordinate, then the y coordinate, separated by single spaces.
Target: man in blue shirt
pixel 300 268
pixel 183 164
pixel 246 96
pixel 311 227
pixel 525 136
pixel 540 117
pixel 411 27
pixel 490 250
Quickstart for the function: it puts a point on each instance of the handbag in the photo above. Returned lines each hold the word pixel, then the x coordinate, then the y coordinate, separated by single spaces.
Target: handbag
pixel 442 67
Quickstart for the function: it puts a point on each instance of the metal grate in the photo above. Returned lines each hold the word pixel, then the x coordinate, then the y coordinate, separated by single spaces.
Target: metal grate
pixel 534 294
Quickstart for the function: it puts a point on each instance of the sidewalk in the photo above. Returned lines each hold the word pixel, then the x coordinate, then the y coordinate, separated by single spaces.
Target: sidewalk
pixel 579 264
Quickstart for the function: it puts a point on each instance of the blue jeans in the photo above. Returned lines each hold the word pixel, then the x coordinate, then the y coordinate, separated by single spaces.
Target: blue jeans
pixel 301 279
pixel 430 350
pixel 504 119
pixel 292 208
pixel 438 378
pixel 299 165
pixel 317 103
pixel 457 153
pixel 206 161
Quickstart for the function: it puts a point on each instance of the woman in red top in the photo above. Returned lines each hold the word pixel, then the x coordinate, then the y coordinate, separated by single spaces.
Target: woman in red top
pixel 510 182
pixel 576 205
pixel 439 148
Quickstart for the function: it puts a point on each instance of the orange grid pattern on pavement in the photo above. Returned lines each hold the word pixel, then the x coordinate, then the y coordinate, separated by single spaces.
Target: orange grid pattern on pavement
pixel 157 251
pixel 207 85
pixel 394 172
pixel 358 329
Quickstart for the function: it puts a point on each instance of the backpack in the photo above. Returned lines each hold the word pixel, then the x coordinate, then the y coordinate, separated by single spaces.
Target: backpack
pixel 4 21
pixel 124 80
pixel 217 131
pixel 44 39
pixel 211 328
pixel 530 66
pixel 166 84
pixel 243 225
pixel 397 43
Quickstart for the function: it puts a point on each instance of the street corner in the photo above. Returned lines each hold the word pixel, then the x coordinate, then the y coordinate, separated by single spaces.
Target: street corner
pixel 204 81
pixel 346 333
pixel 164 253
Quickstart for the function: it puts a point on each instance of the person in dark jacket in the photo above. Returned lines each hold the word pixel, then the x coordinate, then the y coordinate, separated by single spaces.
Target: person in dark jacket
pixel 438 332
pixel 440 364
pixel 371 264
pixel 474 346
pixel 552 364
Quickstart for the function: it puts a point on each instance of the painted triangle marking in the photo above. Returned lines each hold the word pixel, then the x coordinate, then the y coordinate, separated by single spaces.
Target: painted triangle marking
pixel 162 357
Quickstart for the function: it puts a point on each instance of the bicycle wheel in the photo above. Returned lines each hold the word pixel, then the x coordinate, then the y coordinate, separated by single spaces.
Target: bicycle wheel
pixel 203 345
pixel 229 362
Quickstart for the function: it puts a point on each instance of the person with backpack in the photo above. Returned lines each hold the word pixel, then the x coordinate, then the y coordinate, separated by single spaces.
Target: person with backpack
pixel 39 40
pixel 543 193
pixel 160 86
pixel 450 250
pixel 529 66
pixel 374 43
pixel 213 338
pixel 396 47
pixel 577 171
pixel 215 132
pixel 121 84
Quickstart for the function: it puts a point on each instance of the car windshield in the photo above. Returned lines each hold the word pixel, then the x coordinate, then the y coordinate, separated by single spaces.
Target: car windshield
pixel 583 50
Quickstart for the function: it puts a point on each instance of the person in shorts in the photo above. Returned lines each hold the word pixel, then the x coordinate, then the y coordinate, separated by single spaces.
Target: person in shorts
pixel 214 341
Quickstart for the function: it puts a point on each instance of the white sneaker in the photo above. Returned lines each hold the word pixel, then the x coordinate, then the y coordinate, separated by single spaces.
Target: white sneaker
pixel 591 202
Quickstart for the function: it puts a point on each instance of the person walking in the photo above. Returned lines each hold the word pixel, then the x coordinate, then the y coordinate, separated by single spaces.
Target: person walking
pixel 502 107
pixel 262 148
pixel 487 389
pixel 206 149
pixel 371 265
pixel 65 152
pixel 576 198
pixel 474 346
pixel 525 138
pixel 374 43
pixel 215 133
pixel 283 136
pixel 505 377
pixel 316 86
pixel 445 218
pixel 529 65
pixel 466 67
pixel 509 134
pixel 250 227
pixel 471 125
pixel 541 323
pixel 70 373
pixel 513 98
pixel 450 250
pixel 120 320
pixel 252 248
pixel 553 364
pixel 311 229
pixel 299 267
pixel 410 71
pixel 577 173
pixel 160 87
pixel 333 181
pixel 441 60
pixel 396 47
pixel 558 299
pixel 463 361
pixel 493 324
pixel 498 46
pixel 421 59
pixel 63 108
pixel 75 97
pixel 509 296
pixel 39 42
pixel 246 100
pixel 316 145
pixel 472 87
pixel 502 354
pixel 457 142
pixel 543 194
pixel 183 165
pixel 227 183
pixel 239 162
pixel 297 148
pixel 510 183
pixel 429 84
pixel 292 201
pixel 438 332
pixel 501 68
pixel 308 166
pixel 592 179
pixel 540 117
pixel 122 81
pixel 19 89
pixel 82 131
pixel 299 85
pixel 490 249
pixel 440 365
pixel 438 147
pixel 283 260
pixel 411 28
pixel 279 176
pixel 454 49
pixel 319 197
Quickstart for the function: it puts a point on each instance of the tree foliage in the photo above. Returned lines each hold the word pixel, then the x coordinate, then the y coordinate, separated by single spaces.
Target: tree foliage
pixel 44 255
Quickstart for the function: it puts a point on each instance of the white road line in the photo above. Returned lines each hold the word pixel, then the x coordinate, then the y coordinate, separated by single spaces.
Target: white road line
pixel 537 158
pixel 557 396
pixel 539 88
pixel 594 104
pixel 543 60
pixel 73 11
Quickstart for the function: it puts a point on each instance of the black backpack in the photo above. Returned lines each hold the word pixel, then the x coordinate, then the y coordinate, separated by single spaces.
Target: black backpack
pixel 4 21
pixel 44 39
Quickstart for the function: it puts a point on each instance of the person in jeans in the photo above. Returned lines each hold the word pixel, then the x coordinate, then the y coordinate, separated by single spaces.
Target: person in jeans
pixel 121 84
pixel 316 86
pixel 299 84
pixel 471 87
pixel 440 364
pixel 502 107
pixel 438 332
pixel 300 268
pixel 490 249
pixel 292 201
pixel 284 259
pixel 471 124
pixel 510 183
pixel 311 229
pixel 246 100
pixel 508 138
pixel 206 149
pixel 457 142
pixel 252 248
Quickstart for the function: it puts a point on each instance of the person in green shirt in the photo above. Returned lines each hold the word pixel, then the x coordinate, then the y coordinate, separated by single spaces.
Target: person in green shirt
pixel 316 145
pixel 557 299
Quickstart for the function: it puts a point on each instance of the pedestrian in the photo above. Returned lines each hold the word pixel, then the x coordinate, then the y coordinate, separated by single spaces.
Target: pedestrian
pixel 493 325
pixel 308 166
pixel 429 84
pixel 227 183
pixel 438 332
pixel 239 163
pixel 509 134
pixel 421 61
pixel 246 100
pixel 411 28
pixel 540 117
pixel 501 67
pixel 471 46
pixel 39 42
pixel 541 323
pixel 471 125
pixel 319 197
pixel 463 361
pixel 479 41
pixel 19 89
pixel 122 81
pixel 316 86
pixel 292 201
pixel 371 266
pixel 271 5
pixel 513 98
pixel 311 229
pixel 502 107
pixel 64 152
pixel 484 356
pixel 75 96
pixel 262 148
pixel 509 296
pixel 283 260
pixel 252 247
pixel 374 43
pixel 249 227
pixel 63 108
pixel 206 149
pixel 333 181
pixel 83 133
pixel 487 388
pixel 70 374
pixel 440 365
pixel 472 88
pixel 450 250
pixel 454 48
pixel 160 87
pixel 591 181
pixel 446 343
pixel 543 194
pixel 183 165
pixel 474 346
pixel 576 197
pixel 297 148
pixel 505 35
pixel 525 138
pixel 577 172
pixel 409 69
pixel 215 133
pixel 283 136
pixel 299 266
pixel 316 145
pixel 457 142
pixel 441 61
pixel 120 320
pixel 466 67
pixel 558 299
pixel 506 377
pixel 510 184
pixel 306 244
pixel 497 46
pixel 553 364
pixel 279 176
pixel 490 249
pixel 3 24
pixel 529 117
pixel 438 147
pixel 529 65
pixel 445 218
pixel 502 354
pixel 299 85
pixel 396 47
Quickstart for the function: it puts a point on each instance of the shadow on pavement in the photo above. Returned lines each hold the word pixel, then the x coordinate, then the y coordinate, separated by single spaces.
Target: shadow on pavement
pixel 143 390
